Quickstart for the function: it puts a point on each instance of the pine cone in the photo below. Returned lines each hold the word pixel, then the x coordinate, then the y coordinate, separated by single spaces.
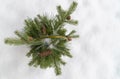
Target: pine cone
pixel 69 38
pixel 68 18
pixel 30 38
pixel 45 53
pixel 43 29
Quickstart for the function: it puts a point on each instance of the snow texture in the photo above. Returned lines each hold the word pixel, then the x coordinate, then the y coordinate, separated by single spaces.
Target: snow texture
pixel 96 54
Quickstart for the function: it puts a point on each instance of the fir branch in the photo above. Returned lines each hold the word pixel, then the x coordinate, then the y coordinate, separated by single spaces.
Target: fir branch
pixel 60 21
pixel 73 22
pixel 72 8
pixel 21 36
pixel 14 41
pixel 60 11
pixel 74 36
pixel 71 33
pixel 57 69
pixel 45 53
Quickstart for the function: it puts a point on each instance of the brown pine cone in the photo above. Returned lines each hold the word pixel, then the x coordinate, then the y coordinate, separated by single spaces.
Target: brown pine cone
pixel 30 38
pixel 43 29
pixel 68 18
pixel 45 53
pixel 69 38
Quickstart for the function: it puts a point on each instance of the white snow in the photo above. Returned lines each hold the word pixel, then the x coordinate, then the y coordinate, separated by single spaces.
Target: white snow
pixel 96 54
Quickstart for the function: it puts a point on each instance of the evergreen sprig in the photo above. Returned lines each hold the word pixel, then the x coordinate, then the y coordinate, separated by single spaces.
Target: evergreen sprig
pixel 47 38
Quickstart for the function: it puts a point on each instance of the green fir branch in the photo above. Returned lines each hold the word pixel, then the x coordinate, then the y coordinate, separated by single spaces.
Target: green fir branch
pixel 14 41
pixel 47 38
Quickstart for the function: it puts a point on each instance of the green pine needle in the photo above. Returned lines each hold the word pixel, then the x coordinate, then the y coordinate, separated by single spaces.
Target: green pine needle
pixel 47 38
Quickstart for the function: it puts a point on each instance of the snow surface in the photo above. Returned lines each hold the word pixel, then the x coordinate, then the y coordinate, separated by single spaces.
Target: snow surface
pixel 96 54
